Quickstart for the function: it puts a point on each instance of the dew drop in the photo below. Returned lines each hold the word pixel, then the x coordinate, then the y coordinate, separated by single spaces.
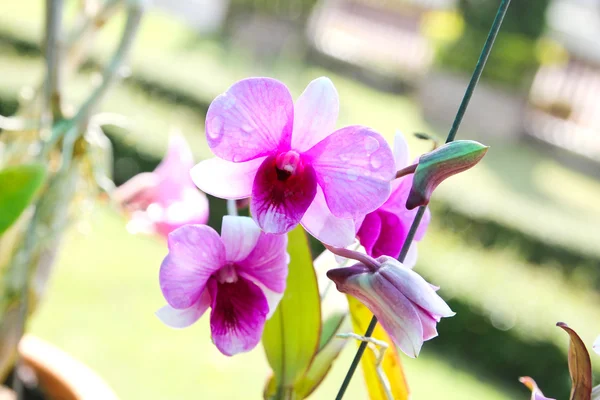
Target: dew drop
pixel 375 162
pixel 215 128
pixel 352 174
pixel 228 102
pixel 247 130
pixel 371 144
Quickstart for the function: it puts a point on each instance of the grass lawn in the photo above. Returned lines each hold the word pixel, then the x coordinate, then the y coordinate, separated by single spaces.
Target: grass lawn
pixel 100 309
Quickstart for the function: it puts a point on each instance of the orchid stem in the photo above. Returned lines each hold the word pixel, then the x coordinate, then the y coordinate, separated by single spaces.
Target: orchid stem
pixel 485 52
pixel 232 208
pixel 53 45
pixel 367 260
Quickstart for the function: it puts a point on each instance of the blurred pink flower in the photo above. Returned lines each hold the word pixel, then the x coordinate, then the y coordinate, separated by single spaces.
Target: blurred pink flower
pixel 406 305
pixel 240 275
pixel 292 162
pixel 536 393
pixel 383 231
pixel 596 345
pixel 165 199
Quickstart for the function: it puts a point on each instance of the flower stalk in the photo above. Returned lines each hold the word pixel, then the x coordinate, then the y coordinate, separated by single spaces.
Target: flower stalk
pixel 502 9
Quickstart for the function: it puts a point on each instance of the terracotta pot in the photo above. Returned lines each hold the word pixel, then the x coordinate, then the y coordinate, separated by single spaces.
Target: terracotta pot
pixel 60 376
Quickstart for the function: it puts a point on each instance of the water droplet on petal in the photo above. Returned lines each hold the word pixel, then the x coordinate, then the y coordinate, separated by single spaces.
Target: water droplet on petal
pixel 352 174
pixel 228 102
pixel 215 128
pixel 375 162
pixel 371 144
pixel 247 130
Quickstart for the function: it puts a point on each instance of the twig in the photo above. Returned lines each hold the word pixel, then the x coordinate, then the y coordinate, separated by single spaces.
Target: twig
pixel 372 343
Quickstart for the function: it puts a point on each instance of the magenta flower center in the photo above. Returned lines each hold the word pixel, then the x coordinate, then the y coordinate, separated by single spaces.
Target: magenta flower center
pixel 227 274
pixel 287 164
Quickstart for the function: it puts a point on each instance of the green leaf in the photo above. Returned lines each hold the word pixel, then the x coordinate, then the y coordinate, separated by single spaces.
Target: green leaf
pixel 329 349
pixel 392 367
pixel 292 335
pixel 580 366
pixel 334 311
pixel 18 186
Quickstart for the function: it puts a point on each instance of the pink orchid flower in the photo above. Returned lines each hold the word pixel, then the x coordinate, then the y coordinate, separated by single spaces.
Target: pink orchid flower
pixel 240 275
pixel 536 393
pixel 406 305
pixel 383 231
pixel 291 161
pixel 165 199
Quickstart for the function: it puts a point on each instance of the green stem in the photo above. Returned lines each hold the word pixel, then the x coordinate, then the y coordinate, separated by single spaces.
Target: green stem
pixel 483 57
pixel 53 47
pixel 134 14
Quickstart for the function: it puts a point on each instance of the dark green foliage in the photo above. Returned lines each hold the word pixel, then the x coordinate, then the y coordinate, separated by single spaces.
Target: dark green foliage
pixel 500 355
pixel 491 234
pixel 513 60
pixel 279 8
pixel 524 17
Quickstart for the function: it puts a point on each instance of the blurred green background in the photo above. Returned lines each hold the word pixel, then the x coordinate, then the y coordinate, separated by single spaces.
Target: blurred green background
pixel 514 243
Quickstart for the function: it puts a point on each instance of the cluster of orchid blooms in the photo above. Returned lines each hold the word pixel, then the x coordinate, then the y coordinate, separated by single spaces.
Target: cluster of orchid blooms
pixel 295 168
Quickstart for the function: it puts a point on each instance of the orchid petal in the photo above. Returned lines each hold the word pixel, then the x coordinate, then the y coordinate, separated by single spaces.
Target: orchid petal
pixel 191 209
pixel 268 262
pixel 238 315
pixel 414 287
pixel 326 227
pixel 411 257
pixel 369 231
pixel 226 179
pixel 429 324
pixel 315 114
pixel 396 204
pixel 195 253
pixel 179 319
pixel 239 235
pixel 392 237
pixel 179 158
pixel 354 166
pixel 252 119
pixel 395 312
pixel 278 204
pixel 401 151
pixel 596 345
pixel 273 298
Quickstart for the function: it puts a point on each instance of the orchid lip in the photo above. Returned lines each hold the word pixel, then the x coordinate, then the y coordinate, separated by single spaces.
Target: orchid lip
pixel 287 164
pixel 227 274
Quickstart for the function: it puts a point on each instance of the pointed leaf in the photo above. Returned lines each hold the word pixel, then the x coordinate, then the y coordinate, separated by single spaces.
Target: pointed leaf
pixel 18 186
pixel 392 366
pixel 292 335
pixel 580 366
pixel 329 350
